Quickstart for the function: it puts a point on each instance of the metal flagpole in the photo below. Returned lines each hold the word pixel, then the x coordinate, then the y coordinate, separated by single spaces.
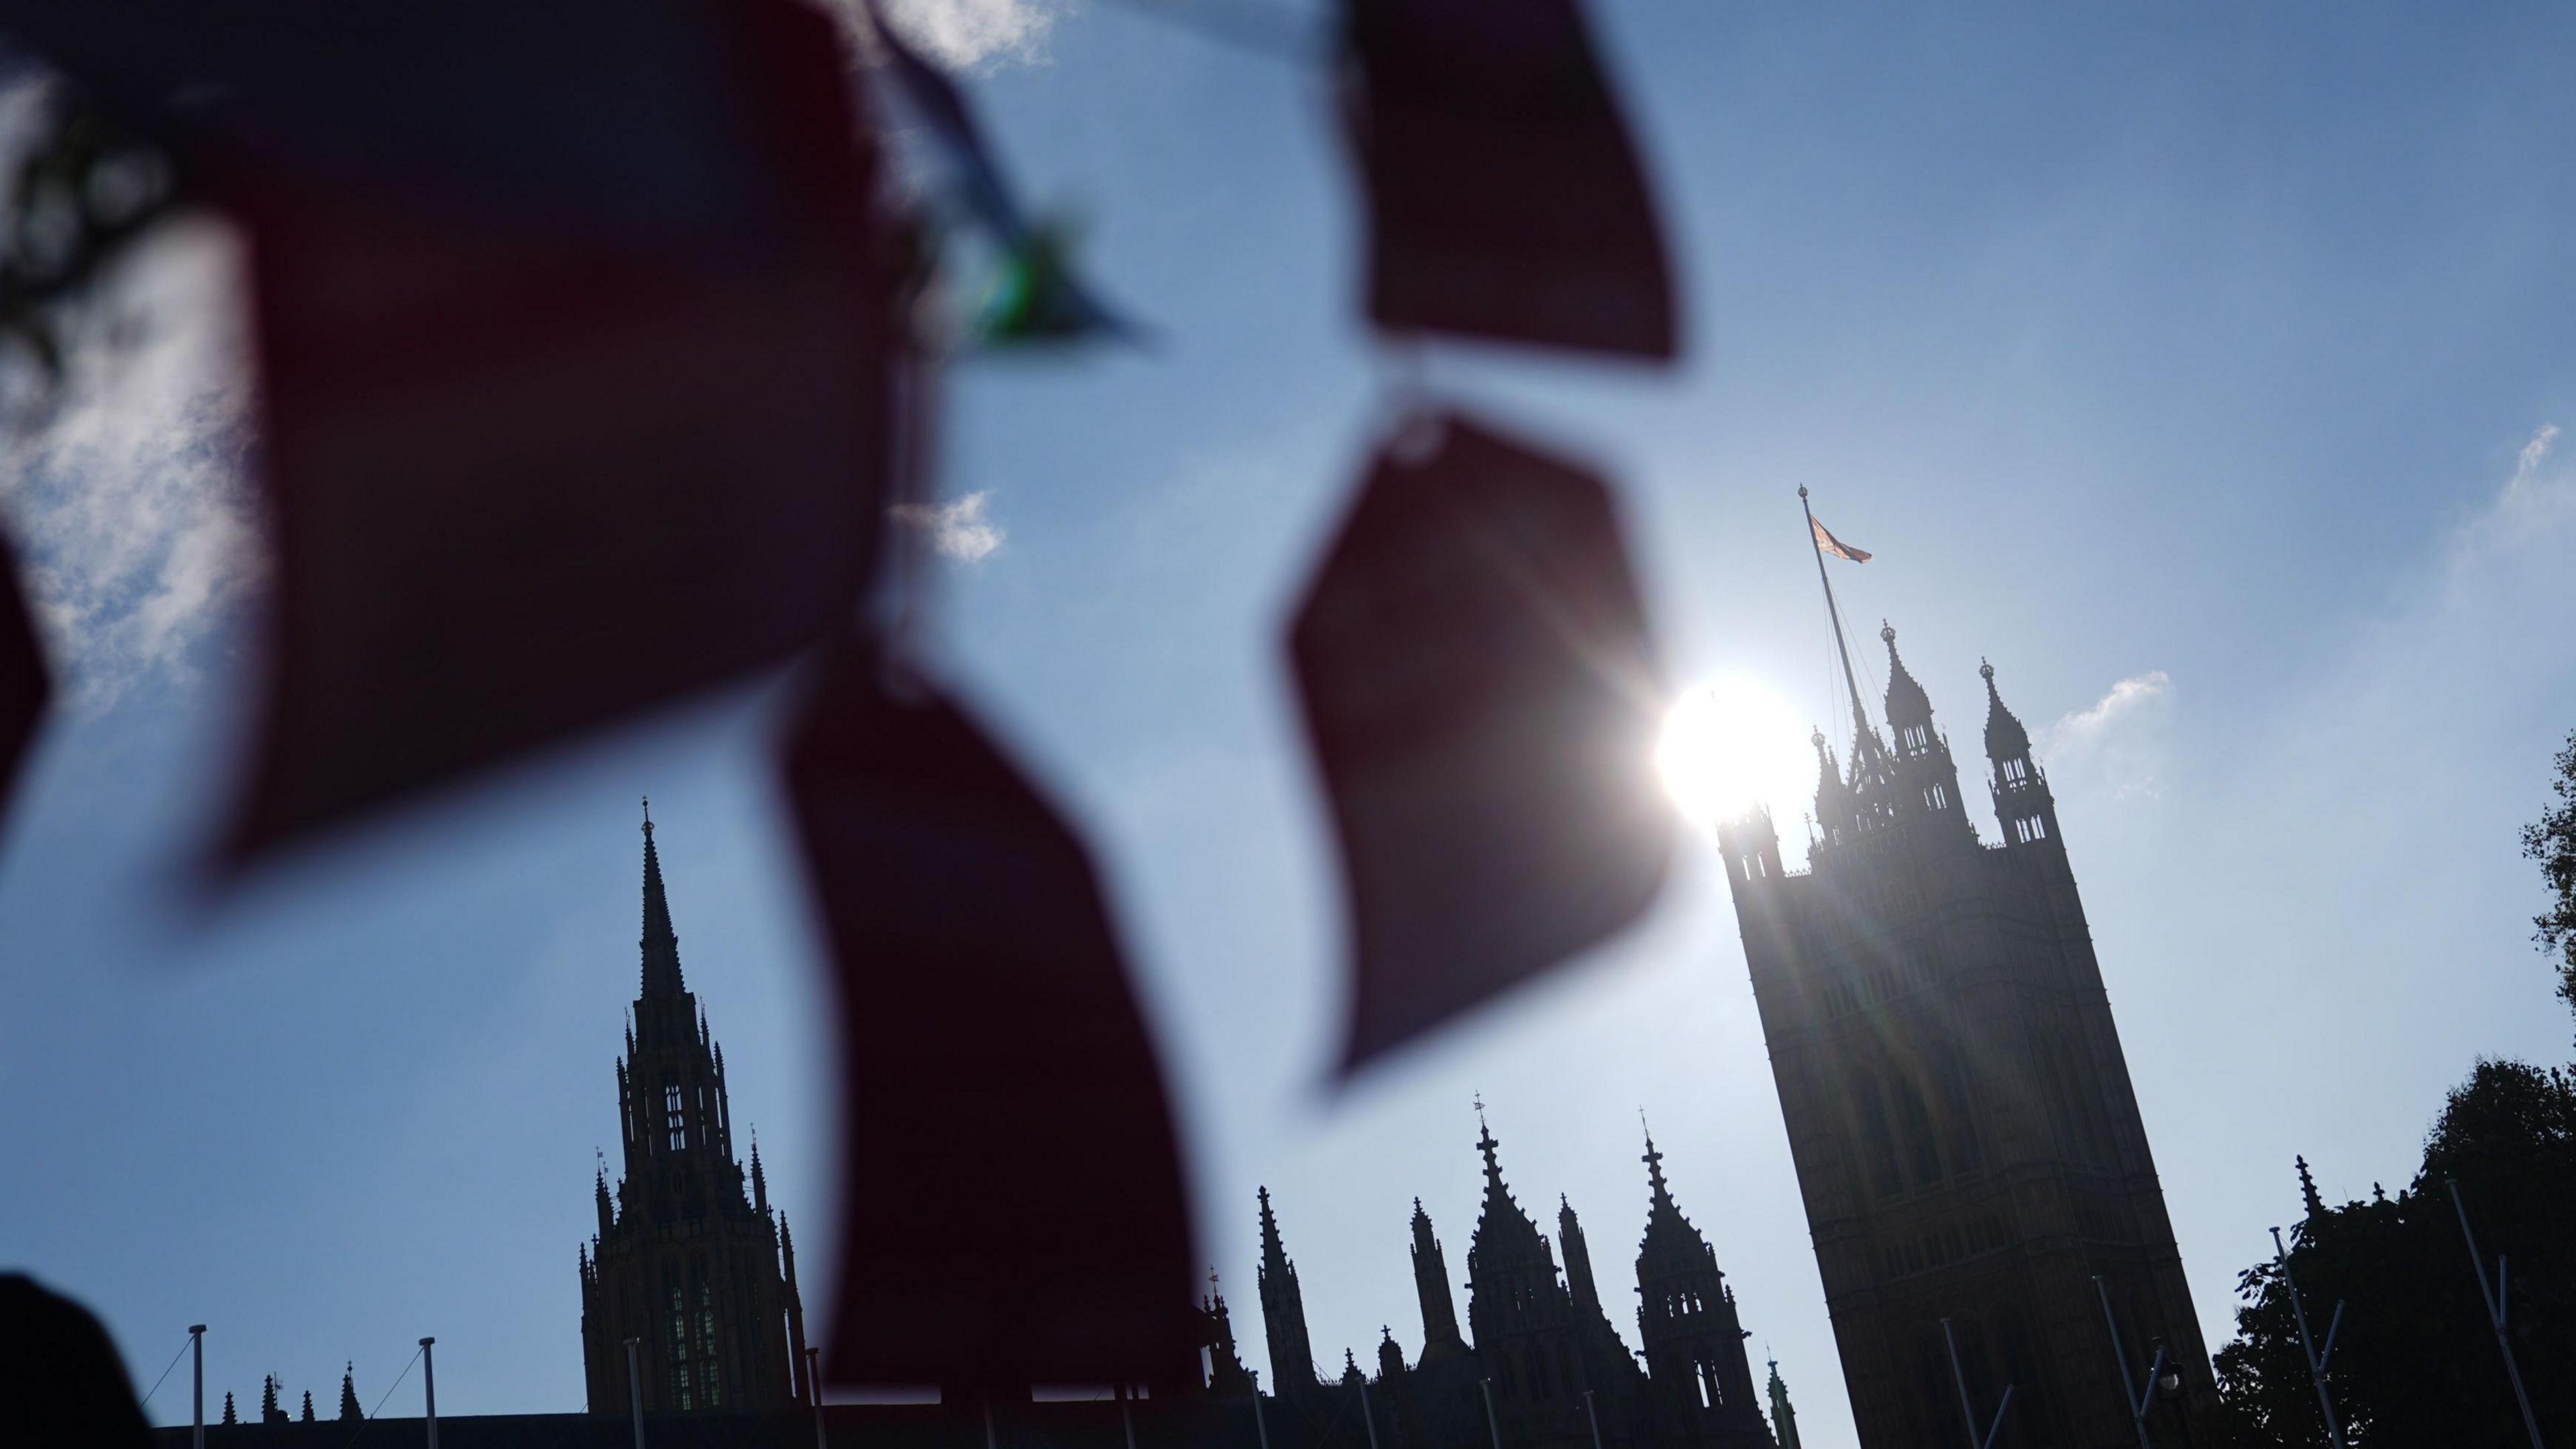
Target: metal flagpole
pixel 635 1393
pixel 1594 1415
pixel 1127 1416
pixel 2316 1360
pixel 1367 1419
pixel 197 1337
pixel 429 1392
pixel 1491 1425
pixel 2137 1401
pixel 2495 1313
pixel 1260 1425
pixel 1970 1415
pixel 814 1387
pixel 1860 721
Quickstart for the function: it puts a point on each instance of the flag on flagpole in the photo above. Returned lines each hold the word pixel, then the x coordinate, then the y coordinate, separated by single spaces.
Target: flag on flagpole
pixel 1825 540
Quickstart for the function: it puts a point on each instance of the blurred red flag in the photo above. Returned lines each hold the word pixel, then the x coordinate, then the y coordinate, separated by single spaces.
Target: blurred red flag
pixel 24 684
pixel 532 473
pixel 1014 1212
pixel 1482 698
pixel 1505 198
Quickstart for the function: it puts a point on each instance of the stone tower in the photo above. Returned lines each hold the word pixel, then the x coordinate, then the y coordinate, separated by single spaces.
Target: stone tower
pixel 688 1261
pixel 1959 1112
pixel 1527 1337
pixel 1686 1319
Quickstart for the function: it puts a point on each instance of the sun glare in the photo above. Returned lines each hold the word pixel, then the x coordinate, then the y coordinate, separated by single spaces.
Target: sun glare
pixel 1729 745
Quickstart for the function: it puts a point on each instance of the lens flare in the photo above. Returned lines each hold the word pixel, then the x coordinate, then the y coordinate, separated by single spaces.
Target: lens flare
pixel 1730 745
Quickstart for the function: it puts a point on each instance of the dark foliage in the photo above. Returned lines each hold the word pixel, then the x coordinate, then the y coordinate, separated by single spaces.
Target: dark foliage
pixel 2416 1362
pixel 60 1379
pixel 2551 840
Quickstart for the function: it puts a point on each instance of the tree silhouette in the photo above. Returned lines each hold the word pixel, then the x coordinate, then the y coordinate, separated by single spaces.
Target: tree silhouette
pixel 2415 1362
pixel 2551 840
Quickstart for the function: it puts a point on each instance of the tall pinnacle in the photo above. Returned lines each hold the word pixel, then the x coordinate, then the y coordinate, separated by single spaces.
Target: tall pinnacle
pixel 661 944
pixel 1662 1195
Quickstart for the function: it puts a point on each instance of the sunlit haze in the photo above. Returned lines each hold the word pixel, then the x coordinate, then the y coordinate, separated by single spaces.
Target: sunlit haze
pixel 1731 744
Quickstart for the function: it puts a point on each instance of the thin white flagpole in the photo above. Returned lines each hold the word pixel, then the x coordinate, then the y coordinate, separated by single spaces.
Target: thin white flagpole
pixel 429 1391
pixel 814 1387
pixel 635 1393
pixel 1960 1377
pixel 2136 1401
pixel 2316 1360
pixel 197 1337
pixel 1860 721
pixel 2495 1314
pixel 1492 1426
pixel 1366 1418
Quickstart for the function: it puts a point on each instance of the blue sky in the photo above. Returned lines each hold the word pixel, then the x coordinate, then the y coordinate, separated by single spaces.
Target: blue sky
pixel 2198 366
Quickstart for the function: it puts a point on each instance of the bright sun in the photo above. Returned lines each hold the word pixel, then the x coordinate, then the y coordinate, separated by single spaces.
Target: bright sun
pixel 1729 745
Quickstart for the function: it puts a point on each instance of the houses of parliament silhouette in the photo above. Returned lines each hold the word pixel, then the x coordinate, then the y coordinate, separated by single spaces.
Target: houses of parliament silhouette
pixel 690 1304
pixel 1980 1195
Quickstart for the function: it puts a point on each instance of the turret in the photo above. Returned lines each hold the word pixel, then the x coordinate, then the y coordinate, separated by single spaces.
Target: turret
pixel 661 944
pixel 1686 1320
pixel 1578 1260
pixel 1440 1336
pixel 1283 1312
pixel 1390 1355
pixel 799 1377
pixel 1909 709
pixel 1784 1418
pixel 2023 805
pixel 1925 779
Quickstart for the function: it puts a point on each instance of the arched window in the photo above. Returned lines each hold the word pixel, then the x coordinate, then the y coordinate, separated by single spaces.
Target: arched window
pixel 675 1119
pixel 1922 1150
pixel 710 1382
pixel 1886 1177
pixel 676 1337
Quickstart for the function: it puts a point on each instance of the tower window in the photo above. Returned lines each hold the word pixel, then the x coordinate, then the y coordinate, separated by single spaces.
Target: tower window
pixel 675 1119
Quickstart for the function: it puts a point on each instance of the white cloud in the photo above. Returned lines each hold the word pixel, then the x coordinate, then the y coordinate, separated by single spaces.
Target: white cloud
pixel 2119 746
pixel 960 529
pixel 968 33
pixel 126 495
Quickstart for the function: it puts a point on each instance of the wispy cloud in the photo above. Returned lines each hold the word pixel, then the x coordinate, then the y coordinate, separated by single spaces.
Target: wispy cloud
pixel 972 33
pixel 2117 747
pixel 126 496
pixel 960 530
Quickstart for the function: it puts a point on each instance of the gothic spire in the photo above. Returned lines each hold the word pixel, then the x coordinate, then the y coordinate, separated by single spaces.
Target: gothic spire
pixel 1283 1311
pixel 2005 738
pixel 1909 709
pixel 1440 1336
pixel 1274 1253
pixel 1661 1196
pixel 2308 1191
pixel 661 944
